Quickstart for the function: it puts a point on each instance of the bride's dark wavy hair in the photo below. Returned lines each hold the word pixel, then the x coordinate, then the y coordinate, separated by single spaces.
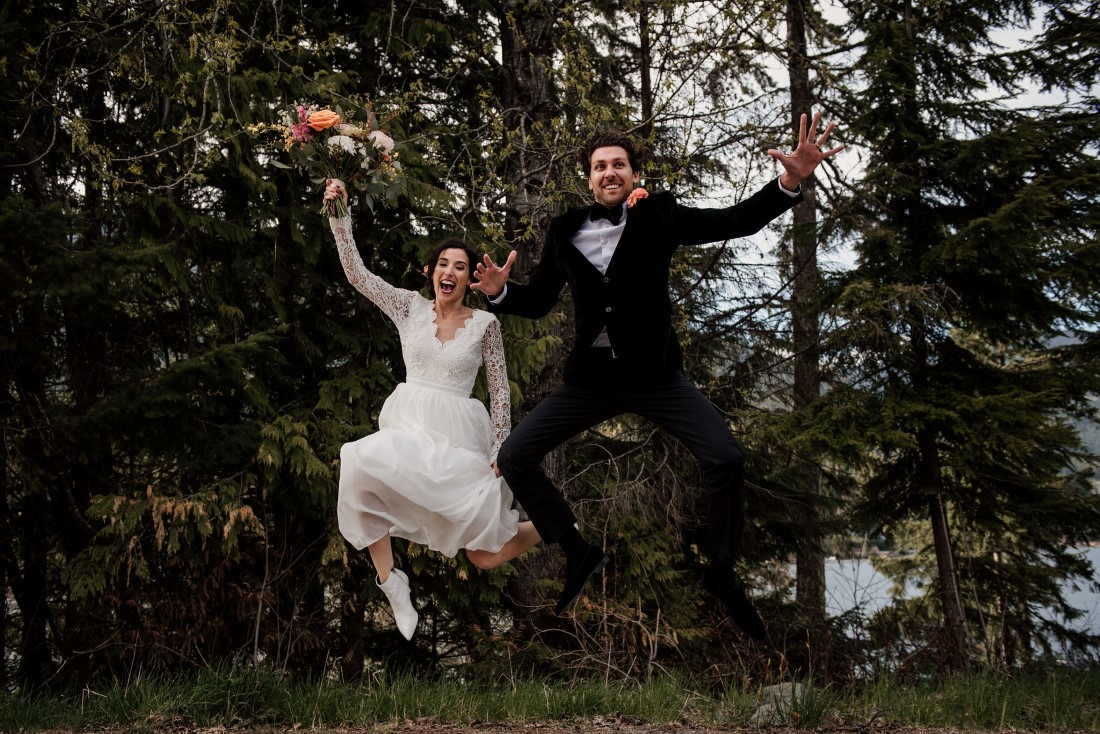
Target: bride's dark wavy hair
pixel 432 260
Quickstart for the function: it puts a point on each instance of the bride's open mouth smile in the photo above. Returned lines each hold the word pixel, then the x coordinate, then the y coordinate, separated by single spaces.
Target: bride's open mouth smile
pixel 446 287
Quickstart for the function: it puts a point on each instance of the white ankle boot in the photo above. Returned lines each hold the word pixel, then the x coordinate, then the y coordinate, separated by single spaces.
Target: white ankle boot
pixel 397 591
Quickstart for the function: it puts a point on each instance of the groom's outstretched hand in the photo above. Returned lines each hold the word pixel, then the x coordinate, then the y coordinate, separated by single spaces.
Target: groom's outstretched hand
pixel 801 162
pixel 491 278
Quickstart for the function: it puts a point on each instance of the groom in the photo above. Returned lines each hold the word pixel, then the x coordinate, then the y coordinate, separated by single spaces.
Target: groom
pixel 626 357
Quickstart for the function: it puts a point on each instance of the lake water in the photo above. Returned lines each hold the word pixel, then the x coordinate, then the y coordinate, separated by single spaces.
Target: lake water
pixel 854 584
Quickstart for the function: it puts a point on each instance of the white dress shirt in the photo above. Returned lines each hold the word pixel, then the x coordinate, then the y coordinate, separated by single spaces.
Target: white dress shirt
pixel 597 242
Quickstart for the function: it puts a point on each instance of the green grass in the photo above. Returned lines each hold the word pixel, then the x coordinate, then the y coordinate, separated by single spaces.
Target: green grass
pixel 244 697
pixel 1054 701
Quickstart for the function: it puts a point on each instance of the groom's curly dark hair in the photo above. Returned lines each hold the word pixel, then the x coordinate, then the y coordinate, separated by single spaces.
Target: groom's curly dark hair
pixel 635 153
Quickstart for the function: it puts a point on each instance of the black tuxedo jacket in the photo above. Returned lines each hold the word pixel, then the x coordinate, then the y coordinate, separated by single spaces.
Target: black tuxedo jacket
pixel 632 298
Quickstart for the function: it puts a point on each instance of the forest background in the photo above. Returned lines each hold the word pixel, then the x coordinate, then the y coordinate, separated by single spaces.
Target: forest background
pixel 908 359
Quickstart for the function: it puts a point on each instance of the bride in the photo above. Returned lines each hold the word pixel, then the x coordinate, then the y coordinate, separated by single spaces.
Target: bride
pixel 429 473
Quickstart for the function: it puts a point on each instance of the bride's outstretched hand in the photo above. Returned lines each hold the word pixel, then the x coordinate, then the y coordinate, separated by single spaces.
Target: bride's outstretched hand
pixel 491 278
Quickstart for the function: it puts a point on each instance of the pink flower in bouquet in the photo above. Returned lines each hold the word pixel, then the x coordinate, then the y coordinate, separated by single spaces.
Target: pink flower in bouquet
pixel 301 131
pixel 381 141
pixel 638 193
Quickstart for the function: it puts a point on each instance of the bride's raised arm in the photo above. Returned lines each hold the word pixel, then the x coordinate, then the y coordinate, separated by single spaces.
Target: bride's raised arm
pixel 393 301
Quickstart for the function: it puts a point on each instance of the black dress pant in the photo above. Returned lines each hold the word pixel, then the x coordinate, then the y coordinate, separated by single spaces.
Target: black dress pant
pixel 671 401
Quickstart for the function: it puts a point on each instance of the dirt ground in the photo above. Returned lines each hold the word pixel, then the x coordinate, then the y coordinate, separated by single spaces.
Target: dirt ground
pixel 597 725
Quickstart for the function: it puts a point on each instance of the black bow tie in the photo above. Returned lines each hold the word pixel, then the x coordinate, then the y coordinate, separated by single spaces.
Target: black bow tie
pixel 612 214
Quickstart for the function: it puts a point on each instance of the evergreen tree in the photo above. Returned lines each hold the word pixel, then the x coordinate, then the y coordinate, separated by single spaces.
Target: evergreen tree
pixel 977 256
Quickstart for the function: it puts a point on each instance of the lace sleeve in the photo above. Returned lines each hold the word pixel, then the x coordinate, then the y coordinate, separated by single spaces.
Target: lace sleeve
pixel 393 301
pixel 500 403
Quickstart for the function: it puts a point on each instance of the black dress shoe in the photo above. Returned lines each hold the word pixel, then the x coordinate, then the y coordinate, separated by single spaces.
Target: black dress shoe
pixel 577 575
pixel 724 585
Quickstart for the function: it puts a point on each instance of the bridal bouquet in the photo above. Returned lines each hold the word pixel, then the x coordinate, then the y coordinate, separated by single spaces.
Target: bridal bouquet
pixel 344 142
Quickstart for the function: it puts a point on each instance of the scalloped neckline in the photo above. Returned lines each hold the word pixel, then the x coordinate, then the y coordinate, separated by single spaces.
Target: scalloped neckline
pixel 458 332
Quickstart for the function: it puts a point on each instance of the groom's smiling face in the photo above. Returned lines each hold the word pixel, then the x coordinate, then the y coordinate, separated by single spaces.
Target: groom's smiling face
pixel 610 176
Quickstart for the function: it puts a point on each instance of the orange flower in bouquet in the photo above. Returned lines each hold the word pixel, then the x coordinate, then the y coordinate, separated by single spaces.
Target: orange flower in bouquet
pixel 322 119
pixel 333 143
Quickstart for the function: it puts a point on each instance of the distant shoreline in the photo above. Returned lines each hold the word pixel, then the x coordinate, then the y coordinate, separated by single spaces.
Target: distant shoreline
pixel 873 552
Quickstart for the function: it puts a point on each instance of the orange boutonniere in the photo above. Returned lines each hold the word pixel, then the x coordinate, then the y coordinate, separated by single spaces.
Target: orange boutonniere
pixel 638 193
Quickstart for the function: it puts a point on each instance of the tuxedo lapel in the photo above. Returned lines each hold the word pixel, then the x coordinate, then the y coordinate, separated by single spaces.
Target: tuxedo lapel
pixel 569 252
pixel 633 235
pixel 571 222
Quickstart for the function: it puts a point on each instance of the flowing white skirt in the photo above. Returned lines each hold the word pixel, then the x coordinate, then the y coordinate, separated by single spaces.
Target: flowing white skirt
pixel 425 475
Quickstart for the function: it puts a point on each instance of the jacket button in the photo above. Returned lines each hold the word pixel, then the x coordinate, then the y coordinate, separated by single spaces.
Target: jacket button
pixel 607 310
pixel 606 279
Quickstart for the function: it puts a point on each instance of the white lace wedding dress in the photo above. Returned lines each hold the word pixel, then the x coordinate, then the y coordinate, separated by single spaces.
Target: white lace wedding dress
pixel 425 475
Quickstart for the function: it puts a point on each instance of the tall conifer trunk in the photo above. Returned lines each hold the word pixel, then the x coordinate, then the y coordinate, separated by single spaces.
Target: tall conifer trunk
pixel 645 50
pixel 930 483
pixel 953 617
pixel 28 580
pixel 528 34
pixel 915 220
pixel 805 322
pixel 6 557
